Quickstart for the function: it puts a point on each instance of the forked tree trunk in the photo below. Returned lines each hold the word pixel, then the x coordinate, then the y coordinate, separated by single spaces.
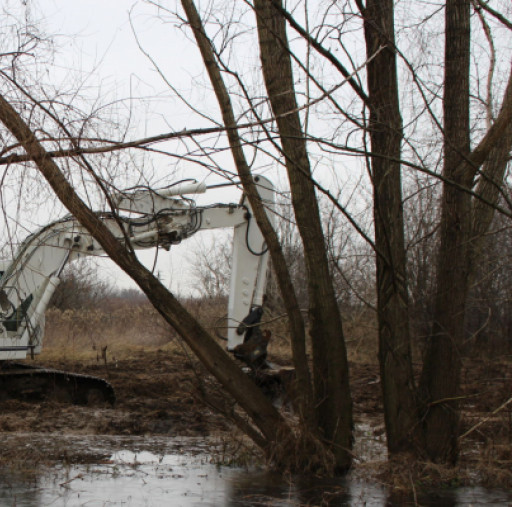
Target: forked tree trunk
pixel 330 368
pixel 463 226
pixel 400 406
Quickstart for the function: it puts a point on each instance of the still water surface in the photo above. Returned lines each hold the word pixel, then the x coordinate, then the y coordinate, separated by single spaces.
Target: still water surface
pixel 179 472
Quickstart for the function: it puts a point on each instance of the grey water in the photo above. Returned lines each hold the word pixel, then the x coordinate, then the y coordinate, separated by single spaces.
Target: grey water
pixel 134 471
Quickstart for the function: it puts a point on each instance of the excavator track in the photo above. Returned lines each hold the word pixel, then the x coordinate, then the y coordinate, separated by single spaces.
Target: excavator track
pixel 30 383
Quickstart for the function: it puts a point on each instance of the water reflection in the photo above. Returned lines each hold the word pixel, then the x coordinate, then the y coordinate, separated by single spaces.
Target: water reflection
pixel 466 497
pixel 181 475
pixel 19 488
pixel 268 489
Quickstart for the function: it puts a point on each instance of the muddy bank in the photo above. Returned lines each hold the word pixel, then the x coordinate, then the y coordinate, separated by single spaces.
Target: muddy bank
pixel 164 392
pixel 157 394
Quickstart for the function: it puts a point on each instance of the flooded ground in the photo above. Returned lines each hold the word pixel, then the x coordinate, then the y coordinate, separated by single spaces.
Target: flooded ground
pixel 161 444
pixel 158 471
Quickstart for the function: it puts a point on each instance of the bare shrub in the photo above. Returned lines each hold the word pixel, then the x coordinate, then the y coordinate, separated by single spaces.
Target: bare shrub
pixel 80 287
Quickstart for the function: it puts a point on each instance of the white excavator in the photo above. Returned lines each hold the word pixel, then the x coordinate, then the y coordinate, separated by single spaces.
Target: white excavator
pixel 146 218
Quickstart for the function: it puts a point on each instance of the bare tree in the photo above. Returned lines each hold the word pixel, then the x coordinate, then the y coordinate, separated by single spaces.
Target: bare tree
pixel 330 368
pixel 425 421
pixel 284 444
pixel 80 287
pixel 441 373
pixel 212 268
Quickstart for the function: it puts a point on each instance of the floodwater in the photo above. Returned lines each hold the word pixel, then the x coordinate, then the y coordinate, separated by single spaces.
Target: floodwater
pixel 136 471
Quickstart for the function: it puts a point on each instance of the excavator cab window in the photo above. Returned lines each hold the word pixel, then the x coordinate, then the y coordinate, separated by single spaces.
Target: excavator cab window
pixel 12 323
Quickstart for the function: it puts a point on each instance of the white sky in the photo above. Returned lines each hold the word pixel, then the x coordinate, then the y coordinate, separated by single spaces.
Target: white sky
pixel 96 37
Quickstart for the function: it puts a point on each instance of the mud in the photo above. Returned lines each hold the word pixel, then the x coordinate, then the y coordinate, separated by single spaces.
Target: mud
pixel 165 393
pixel 157 394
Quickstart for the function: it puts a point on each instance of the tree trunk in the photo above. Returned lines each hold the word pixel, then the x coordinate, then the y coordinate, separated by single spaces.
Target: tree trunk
pixel 400 406
pixel 441 372
pixel 491 180
pixel 330 368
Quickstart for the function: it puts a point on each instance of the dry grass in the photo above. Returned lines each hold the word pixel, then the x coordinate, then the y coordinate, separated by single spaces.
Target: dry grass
pixel 120 329
pixel 362 338
pixel 133 326
pixel 93 333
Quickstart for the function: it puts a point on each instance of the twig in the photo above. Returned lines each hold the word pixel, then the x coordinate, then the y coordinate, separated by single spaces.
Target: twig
pixel 65 484
pixel 494 412
pixel 415 495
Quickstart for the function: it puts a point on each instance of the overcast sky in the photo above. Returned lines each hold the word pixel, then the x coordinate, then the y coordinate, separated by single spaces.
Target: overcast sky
pixel 96 37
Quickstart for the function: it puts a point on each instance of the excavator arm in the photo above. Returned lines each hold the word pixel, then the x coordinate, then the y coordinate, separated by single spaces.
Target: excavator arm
pixel 145 219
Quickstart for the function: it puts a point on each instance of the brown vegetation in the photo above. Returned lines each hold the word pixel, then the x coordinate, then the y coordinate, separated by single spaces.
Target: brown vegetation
pixel 163 390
